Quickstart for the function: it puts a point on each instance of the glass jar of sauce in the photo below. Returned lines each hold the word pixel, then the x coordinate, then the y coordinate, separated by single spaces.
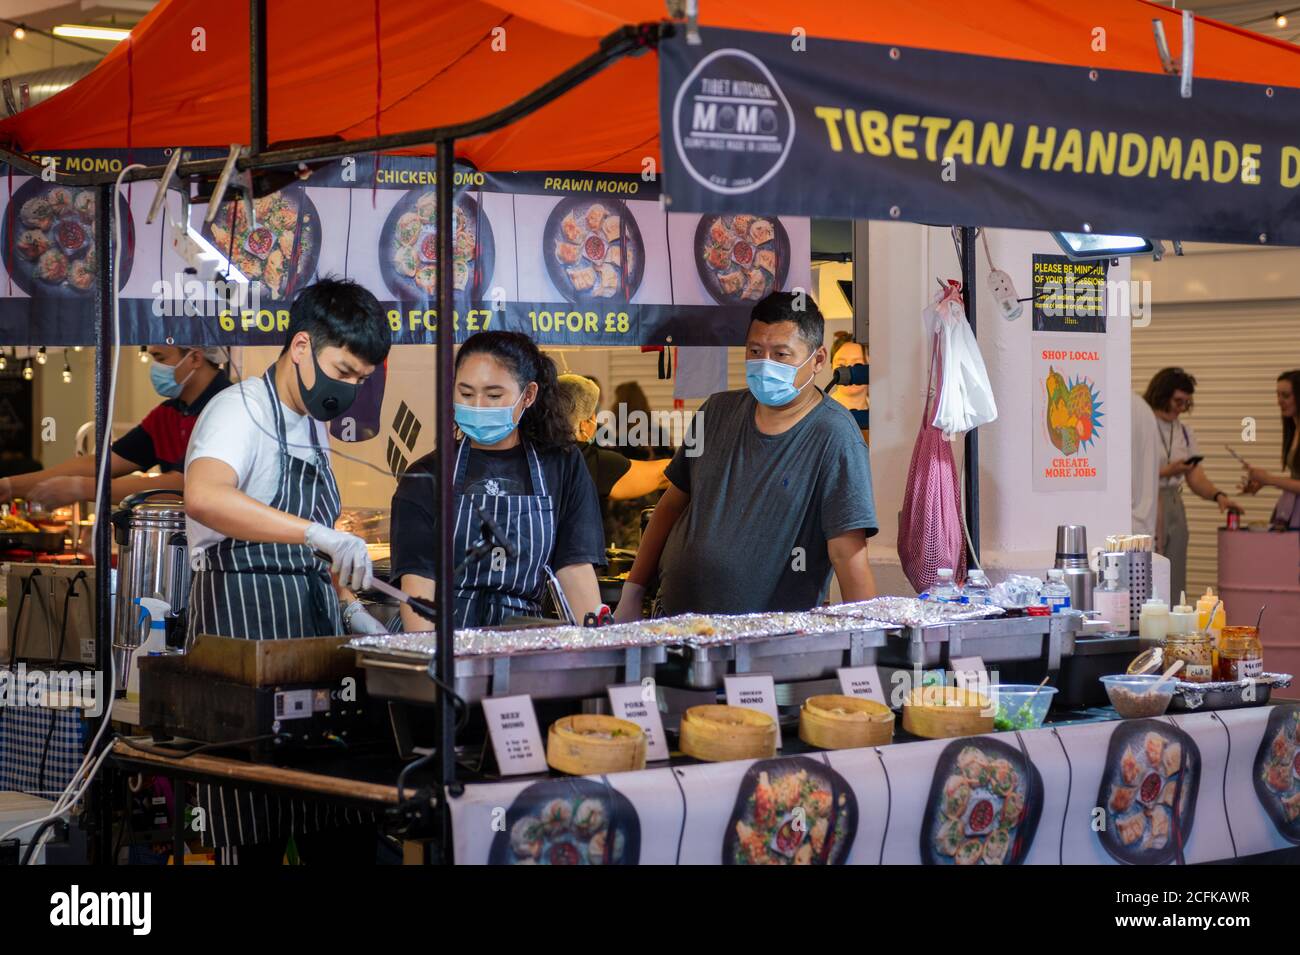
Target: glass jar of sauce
pixel 1196 650
pixel 1241 655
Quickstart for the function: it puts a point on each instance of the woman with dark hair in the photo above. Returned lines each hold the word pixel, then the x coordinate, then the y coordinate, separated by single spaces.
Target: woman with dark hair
pixel 516 461
pixel 1286 514
pixel 1170 396
pixel 632 406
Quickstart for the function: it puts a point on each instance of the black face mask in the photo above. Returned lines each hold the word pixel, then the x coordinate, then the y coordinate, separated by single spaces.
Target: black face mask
pixel 329 397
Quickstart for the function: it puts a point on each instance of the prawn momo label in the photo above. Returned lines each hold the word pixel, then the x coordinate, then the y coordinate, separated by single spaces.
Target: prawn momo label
pixel 516 738
pixel 732 126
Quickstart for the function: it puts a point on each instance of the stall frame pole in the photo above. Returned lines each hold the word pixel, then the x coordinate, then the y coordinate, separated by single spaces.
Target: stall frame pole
pixel 971 467
pixel 104 359
pixel 258 98
pixel 446 638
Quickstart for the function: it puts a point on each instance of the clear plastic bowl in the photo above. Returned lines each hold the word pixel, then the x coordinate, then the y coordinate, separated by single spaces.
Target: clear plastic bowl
pixel 1139 695
pixel 1014 711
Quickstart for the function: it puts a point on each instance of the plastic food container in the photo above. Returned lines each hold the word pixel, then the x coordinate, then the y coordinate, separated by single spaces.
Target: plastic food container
pixel 1139 696
pixel 1015 712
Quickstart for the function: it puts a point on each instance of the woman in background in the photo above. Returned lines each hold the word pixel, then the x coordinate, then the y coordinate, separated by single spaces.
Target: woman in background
pixel 629 396
pixel 844 353
pixel 1170 396
pixel 1286 515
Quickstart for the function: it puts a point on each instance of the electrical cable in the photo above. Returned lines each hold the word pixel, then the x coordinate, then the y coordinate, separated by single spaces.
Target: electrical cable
pixel 58 656
pixel 18 615
pixel 202 748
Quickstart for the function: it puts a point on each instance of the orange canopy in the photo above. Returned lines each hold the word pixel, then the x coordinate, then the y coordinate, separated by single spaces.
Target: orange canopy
pixel 359 69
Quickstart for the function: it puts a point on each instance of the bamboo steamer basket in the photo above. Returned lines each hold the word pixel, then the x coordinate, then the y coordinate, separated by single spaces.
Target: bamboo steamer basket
pixel 719 733
pixel 570 748
pixel 961 713
pixel 865 722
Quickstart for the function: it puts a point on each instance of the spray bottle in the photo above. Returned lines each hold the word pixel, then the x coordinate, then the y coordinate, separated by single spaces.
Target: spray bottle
pixel 155 611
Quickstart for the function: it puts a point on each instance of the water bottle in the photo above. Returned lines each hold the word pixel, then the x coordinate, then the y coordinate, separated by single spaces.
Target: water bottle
pixel 977 591
pixel 944 589
pixel 1056 593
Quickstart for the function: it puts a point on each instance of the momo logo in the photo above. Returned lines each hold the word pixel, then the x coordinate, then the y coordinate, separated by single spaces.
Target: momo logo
pixel 77 908
pixel 732 125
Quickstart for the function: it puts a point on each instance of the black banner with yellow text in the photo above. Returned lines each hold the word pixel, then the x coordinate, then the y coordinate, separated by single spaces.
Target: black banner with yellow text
pixel 863 131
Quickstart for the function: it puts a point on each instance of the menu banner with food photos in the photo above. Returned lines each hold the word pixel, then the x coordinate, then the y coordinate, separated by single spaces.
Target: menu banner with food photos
pixel 567 258
pixel 1180 789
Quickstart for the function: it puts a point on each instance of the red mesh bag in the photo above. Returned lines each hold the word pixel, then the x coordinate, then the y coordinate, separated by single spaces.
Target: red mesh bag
pixel 930 532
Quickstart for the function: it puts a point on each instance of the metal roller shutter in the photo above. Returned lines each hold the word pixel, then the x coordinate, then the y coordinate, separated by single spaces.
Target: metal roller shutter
pixel 1235 351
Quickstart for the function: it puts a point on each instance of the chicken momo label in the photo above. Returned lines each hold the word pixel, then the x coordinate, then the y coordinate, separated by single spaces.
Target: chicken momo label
pixel 732 125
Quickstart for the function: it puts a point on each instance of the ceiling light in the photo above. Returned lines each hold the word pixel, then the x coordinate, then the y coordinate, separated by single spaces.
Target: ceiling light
pixel 1086 247
pixel 111 34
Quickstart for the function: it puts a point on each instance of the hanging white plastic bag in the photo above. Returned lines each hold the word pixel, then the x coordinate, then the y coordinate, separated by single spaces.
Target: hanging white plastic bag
pixel 965 398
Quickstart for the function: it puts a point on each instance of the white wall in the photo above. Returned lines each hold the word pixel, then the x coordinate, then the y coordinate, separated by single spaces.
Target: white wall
pixel 1017 524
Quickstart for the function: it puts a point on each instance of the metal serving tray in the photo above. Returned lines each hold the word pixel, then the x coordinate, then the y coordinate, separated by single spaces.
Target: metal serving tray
pixel 994 639
pixel 550 675
pixel 789 658
pixel 1193 697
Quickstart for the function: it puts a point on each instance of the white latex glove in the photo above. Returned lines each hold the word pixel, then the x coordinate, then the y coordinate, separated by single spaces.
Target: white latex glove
pixel 350 561
pixel 363 622
pixel 57 491
pixel 629 603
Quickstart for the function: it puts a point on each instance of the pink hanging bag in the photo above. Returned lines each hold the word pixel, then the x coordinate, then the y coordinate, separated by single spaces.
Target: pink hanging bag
pixel 930 533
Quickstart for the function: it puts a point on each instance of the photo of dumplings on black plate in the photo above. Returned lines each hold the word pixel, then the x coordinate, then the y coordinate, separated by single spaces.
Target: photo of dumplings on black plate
pixel 49 240
pixel 593 250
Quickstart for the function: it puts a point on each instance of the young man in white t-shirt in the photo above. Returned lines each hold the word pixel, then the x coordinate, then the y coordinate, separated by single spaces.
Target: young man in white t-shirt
pixel 260 494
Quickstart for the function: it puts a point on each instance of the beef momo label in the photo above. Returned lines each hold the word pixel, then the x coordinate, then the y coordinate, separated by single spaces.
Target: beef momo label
pixel 732 124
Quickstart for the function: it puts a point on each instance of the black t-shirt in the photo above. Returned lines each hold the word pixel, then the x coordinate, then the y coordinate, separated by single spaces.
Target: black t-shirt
pixel 606 469
pixel 579 535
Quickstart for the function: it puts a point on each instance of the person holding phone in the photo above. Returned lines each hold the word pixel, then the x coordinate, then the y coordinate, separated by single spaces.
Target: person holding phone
pixel 1170 396
pixel 1286 514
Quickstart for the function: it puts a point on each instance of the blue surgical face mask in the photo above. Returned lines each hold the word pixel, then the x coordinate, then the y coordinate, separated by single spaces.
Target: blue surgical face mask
pixel 772 382
pixel 486 425
pixel 164 379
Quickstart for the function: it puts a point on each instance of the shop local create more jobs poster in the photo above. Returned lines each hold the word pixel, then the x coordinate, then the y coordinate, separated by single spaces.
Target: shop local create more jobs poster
pixel 1069 428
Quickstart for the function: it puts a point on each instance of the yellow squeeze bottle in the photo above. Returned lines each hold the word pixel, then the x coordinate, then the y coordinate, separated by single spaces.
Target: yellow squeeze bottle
pixel 1204 606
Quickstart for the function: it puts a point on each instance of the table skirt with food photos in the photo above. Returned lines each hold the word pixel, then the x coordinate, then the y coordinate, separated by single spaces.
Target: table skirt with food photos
pixel 1181 789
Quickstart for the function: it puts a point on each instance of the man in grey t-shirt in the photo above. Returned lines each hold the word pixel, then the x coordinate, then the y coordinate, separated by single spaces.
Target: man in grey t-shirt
pixel 779 494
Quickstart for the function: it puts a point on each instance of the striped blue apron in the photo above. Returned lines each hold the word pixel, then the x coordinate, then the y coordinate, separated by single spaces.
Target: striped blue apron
pixel 496 587
pixel 259 591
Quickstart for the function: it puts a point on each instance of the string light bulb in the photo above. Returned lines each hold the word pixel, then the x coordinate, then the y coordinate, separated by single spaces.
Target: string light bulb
pixel 67 369
pixel 1280 20
pixel 76 348
pixel 27 369
pixel 20 33
pixel 4 360
pixel 40 355
pixel 144 355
